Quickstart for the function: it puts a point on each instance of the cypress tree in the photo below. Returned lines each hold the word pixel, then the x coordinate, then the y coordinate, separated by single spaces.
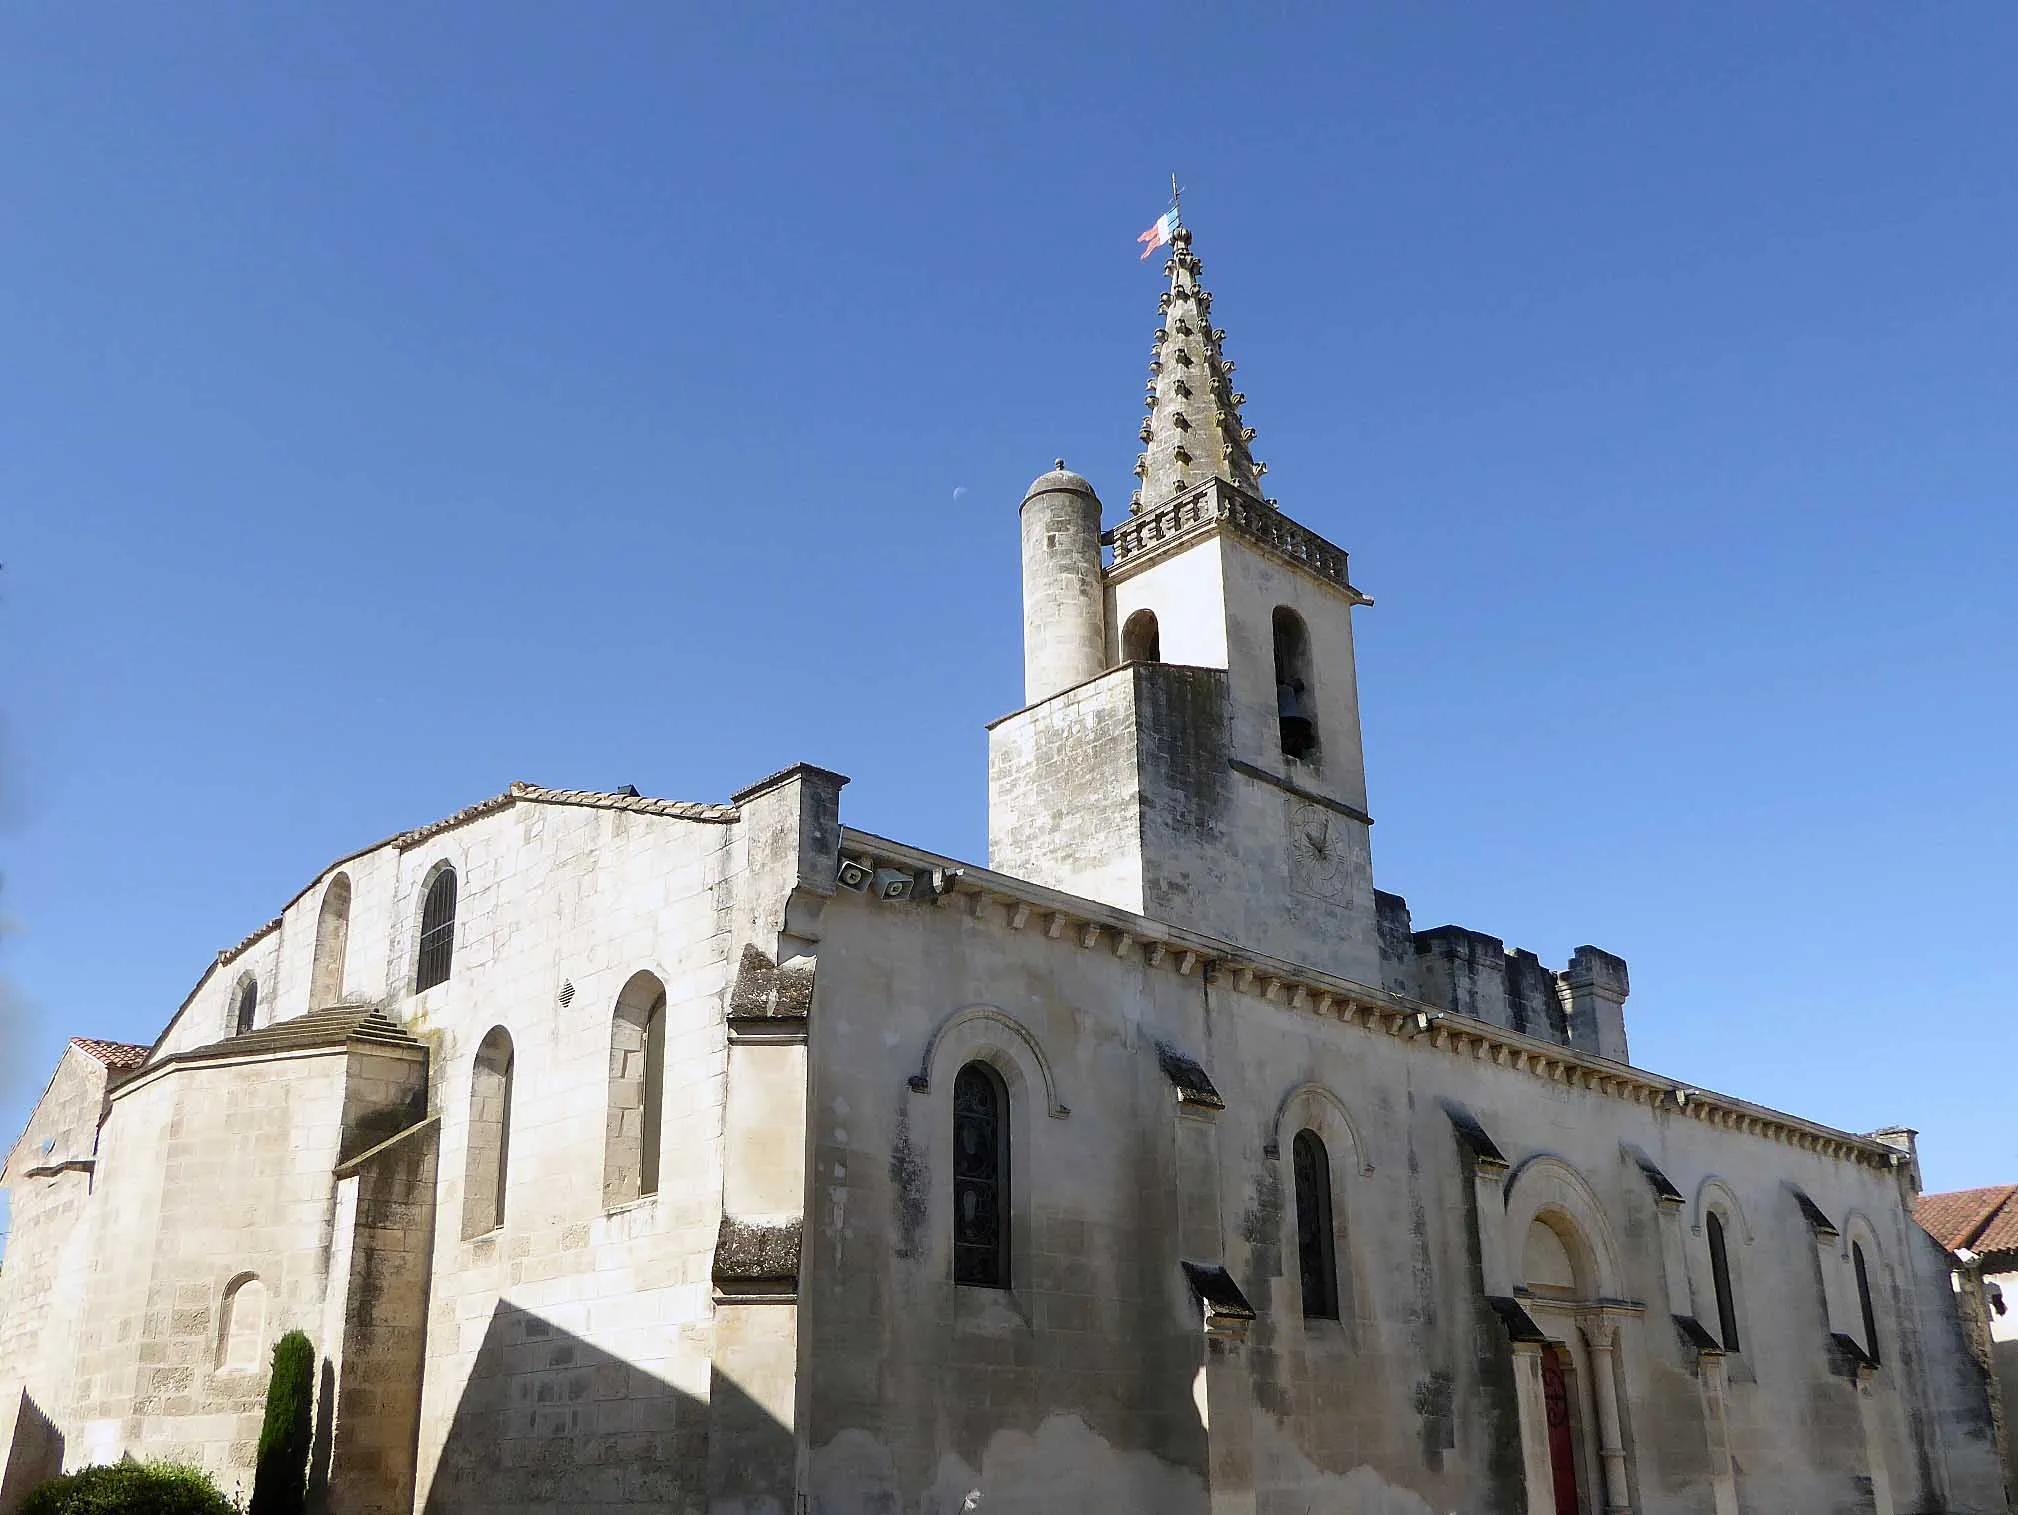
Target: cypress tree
pixel 280 1483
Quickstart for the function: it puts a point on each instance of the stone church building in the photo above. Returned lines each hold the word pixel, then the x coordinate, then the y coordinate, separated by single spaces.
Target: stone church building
pixel 627 1154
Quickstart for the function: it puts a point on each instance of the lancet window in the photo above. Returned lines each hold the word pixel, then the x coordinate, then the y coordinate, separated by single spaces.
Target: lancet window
pixel 1316 1263
pixel 437 932
pixel 332 941
pixel 980 1178
pixel 1864 1300
pixel 637 1091
pixel 246 1006
pixel 1720 1279
pixel 1296 716
pixel 487 1164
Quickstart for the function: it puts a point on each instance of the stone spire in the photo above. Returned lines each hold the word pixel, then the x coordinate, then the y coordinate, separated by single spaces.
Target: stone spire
pixel 1193 431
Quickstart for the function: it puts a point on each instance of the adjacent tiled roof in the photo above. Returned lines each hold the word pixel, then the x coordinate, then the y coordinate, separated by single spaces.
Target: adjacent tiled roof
pixel 118 1056
pixel 1983 1220
pixel 319 1028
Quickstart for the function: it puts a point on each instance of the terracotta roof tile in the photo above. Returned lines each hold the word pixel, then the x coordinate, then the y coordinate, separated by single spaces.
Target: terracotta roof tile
pixel 117 1056
pixel 1983 1220
pixel 2000 1233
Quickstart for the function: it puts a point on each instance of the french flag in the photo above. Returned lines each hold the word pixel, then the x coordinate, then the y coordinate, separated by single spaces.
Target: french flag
pixel 1158 234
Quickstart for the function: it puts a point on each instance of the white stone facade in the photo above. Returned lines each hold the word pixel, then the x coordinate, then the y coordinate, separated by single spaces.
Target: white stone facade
pixel 1161 1167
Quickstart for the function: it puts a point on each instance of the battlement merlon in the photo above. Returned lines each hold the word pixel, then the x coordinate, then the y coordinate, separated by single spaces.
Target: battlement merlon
pixel 1470 973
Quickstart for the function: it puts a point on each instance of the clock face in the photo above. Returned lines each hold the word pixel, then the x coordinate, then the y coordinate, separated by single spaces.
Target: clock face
pixel 1317 842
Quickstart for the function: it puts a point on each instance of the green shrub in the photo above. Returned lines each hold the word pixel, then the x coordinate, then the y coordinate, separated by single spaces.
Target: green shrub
pixel 130 1488
pixel 280 1482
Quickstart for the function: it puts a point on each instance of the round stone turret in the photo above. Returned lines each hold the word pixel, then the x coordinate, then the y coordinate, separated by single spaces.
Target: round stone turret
pixel 1064 603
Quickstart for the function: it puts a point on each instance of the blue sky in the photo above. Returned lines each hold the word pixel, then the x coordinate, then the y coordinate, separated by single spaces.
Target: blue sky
pixel 400 401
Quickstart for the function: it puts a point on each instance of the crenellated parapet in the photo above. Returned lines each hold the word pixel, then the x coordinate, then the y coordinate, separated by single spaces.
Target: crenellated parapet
pixel 1470 973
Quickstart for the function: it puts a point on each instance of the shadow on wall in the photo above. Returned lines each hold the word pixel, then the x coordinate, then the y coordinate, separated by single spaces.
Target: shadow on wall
pixel 549 1421
pixel 323 1443
pixel 34 1452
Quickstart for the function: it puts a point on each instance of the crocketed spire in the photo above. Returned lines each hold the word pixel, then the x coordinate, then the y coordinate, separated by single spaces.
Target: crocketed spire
pixel 1193 431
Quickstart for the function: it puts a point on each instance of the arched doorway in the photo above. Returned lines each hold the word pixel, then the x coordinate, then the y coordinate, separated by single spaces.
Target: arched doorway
pixel 1566 1263
pixel 1562 1431
pixel 1559 1275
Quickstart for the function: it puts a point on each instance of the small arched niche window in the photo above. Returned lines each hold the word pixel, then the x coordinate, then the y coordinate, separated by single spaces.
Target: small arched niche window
pixel 437 932
pixel 637 1092
pixel 1864 1300
pixel 980 1178
pixel 1720 1279
pixel 1317 1266
pixel 1295 716
pixel 241 1328
pixel 490 1120
pixel 245 1006
pixel 1141 642
pixel 332 941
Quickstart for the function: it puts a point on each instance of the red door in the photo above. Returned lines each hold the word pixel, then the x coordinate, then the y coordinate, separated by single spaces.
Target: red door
pixel 1562 1448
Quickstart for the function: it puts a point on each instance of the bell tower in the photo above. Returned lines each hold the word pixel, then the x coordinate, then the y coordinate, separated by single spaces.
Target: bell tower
pixel 1208 771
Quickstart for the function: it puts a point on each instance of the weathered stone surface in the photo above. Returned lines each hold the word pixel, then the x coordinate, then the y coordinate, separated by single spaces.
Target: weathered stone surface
pixel 749 1252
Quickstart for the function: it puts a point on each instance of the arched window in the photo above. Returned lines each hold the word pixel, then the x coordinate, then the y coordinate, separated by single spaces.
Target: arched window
pixel 1316 1264
pixel 332 940
pixel 637 1091
pixel 980 1178
pixel 246 1006
pixel 1140 640
pixel 1864 1300
pixel 1720 1277
pixel 437 932
pixel 490 1123
pixel 241 1327
pixel 1295 715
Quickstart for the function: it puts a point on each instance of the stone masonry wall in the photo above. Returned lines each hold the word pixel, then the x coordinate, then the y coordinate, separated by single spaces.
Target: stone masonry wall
pixel 1064 792
pixel 377 1344
pixel 211 1172
pixel 568 1351
pixel 1073 1390
pixel 41 1285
